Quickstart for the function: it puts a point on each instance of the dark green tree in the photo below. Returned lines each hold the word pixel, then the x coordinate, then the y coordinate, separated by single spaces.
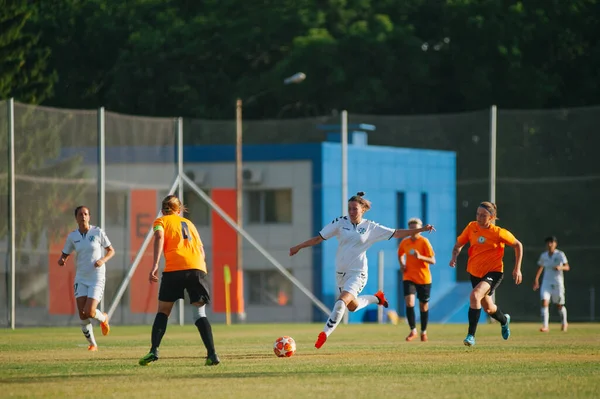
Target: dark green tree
pixel 26 76
pixel 190 58
pixel 24 71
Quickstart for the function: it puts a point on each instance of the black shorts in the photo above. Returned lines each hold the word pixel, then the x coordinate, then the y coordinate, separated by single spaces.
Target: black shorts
pixel 422 290
pixel 492 278
pixel 194 281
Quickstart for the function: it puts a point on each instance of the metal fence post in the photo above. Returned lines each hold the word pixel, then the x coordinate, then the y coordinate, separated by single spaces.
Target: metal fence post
pixel 11 178
pixel 493 130
pixel 101 178
pixel 181 302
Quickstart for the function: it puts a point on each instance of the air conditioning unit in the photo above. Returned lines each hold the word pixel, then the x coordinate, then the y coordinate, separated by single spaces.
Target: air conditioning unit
pixel 252 176
pixel 197 176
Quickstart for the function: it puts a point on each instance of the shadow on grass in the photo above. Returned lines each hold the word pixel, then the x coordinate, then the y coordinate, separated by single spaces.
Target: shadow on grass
pixel 204 372
pixel 245 356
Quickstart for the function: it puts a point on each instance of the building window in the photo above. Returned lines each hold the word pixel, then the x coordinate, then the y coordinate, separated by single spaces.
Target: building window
pixel 198 211
pixel 401 209
pixel 268 287
pixel 424 205
pixel 268 206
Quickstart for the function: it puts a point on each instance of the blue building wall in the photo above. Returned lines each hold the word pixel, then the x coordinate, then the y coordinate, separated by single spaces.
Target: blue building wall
pixel 383 172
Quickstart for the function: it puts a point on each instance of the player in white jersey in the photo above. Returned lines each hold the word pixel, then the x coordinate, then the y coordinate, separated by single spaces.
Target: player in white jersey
pixel 355 235
pixel 553 263
pixel 93 251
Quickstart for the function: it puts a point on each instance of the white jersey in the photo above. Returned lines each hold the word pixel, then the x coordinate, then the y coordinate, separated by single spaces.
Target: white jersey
pixel 89 248
pixel 354 240
pixel 549 262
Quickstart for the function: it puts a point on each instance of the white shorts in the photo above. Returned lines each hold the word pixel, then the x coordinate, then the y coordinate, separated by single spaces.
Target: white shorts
pixel 95 290
pixel 554 293
pixel 352 282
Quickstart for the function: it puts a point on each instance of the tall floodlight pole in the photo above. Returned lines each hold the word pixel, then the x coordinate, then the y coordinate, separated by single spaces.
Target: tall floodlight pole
pixel 239 183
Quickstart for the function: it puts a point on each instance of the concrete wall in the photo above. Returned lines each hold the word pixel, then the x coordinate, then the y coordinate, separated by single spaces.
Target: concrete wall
pixel 275 238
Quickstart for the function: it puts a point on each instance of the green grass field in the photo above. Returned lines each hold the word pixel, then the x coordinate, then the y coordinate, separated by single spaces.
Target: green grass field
pixel 358 361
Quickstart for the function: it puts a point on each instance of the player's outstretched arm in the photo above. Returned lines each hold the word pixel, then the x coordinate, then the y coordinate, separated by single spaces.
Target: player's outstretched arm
pixel 308 243
pixel 401 233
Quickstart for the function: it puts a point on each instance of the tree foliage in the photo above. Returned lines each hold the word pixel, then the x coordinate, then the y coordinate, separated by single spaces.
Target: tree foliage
pixel 190 58
pixel 26 76
pixel 24 72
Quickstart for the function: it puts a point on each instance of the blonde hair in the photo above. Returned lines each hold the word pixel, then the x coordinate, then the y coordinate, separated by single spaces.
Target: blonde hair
pixel 416 221
pixel 172 205
pixel 365 203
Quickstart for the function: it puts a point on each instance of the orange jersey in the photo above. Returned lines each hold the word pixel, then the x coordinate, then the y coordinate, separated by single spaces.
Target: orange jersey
pixel 486 249
pixel 416 271
pixel 182 246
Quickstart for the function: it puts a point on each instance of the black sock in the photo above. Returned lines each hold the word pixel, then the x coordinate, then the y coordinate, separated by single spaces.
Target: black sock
pixel 424 320
pixel 473 320
pixel 410 316
pixel 206 334
pixel 499 316
pixel 158 330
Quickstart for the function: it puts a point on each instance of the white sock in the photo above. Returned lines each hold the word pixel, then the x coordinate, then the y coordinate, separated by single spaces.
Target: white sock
pixel 365 300
pixel 335 317
pixel 199 312
pixel 545 317
pixel 88 331
pixel 563 315
pixel 100 316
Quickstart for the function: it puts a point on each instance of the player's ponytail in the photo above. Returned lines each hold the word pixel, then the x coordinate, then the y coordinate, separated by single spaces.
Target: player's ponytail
pixel 172 205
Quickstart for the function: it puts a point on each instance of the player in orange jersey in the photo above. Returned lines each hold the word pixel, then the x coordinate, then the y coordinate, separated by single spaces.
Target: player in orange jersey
pixel 185 269
pixel 485 265
pixel 415 254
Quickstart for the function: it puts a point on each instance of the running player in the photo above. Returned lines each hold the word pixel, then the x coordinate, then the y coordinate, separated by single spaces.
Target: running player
pixel 485 266
pixel 93 250
pixel 355 235
pixel 552 263
pixel 415 254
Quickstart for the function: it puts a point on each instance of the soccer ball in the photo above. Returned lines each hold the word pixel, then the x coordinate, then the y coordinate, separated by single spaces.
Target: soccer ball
pixel 284 346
